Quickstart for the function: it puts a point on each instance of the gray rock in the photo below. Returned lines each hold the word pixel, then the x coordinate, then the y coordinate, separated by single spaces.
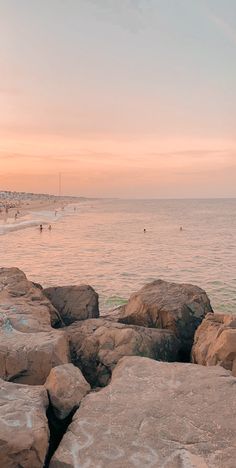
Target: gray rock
pixel 155 414
pixel 74 302
pixel 172 306
pixel 96 346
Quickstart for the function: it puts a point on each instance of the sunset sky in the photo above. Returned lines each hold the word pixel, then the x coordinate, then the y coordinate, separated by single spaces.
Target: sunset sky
pixel 126 98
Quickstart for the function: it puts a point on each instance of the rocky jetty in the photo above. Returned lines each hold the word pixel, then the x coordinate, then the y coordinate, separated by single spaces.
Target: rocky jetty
pixel 81 390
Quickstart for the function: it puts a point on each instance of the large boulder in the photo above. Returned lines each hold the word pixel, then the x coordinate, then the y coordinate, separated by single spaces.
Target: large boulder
pixel 27 306
pixel 29 346
pixel 29 357
pixel 74 302
pixel 96 346
pixel 155 414
pixel 24 432
pixel 215 342
pixel 66 387
pixel 172 306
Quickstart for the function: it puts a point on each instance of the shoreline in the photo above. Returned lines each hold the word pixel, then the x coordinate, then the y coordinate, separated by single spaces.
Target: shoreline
pixel 23 210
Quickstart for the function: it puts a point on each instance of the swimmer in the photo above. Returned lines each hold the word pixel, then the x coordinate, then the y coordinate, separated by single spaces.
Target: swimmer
pixel 41 227
pixel 144 230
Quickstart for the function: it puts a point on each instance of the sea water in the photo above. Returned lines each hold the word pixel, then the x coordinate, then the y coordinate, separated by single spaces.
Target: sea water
pixel 103 243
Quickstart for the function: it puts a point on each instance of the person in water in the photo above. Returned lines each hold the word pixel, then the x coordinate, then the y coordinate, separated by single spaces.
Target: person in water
pixel 50 227
pixel 181 229
pixel 144 230
pixel 41 227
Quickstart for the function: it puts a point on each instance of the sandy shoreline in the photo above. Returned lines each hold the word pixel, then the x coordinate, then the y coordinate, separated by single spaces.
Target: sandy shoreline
pixel 15 209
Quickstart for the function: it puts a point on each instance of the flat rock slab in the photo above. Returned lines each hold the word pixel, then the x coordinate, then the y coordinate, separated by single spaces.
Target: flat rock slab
pixel 74 302
pixel 172 306
pixel 24 432
pixel 96 346
pixel 155 414
pixel 29 346
pixel 215 342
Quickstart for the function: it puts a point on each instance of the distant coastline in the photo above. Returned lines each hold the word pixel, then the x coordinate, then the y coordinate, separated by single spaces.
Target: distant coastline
pixel 19 210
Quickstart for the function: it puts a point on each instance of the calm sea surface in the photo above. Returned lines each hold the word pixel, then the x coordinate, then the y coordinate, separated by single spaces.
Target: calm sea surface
pixel 103 244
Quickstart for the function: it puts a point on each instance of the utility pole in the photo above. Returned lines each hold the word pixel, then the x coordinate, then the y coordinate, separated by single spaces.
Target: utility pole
pixel 59 184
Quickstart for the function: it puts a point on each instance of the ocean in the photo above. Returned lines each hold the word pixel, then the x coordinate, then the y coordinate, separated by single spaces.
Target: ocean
pixel 103 244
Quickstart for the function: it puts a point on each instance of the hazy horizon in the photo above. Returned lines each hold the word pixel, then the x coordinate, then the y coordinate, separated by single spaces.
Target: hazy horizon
pixel 122 198
pixel 129 99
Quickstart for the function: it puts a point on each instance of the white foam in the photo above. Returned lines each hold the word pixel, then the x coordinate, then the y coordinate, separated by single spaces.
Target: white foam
pixel 35 218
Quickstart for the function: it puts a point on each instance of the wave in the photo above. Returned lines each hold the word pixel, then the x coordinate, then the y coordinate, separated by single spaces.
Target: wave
pixel 33 219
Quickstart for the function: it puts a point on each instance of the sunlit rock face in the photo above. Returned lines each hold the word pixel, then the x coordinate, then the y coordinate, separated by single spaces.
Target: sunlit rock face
pixel 215 342
pixel 66 388
pixel 29 346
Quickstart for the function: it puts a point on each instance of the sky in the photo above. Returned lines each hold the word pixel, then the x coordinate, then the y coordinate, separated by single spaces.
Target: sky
pixel 124 98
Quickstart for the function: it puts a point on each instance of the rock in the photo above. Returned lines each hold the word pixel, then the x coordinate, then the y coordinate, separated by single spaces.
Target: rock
pixel 29 347
pixel 172 306
pixel 29 357
pixel 97 345
pixel 24 433
pixel 155 414
pixel 74 302
pixel 215 342
pixel 66 387
pixel 37 285
pixel 29 306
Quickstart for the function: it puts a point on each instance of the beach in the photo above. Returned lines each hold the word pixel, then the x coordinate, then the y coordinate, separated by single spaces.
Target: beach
pixel 23 204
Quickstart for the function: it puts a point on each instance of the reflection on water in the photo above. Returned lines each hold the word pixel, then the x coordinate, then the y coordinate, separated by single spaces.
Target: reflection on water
pixel 103 243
